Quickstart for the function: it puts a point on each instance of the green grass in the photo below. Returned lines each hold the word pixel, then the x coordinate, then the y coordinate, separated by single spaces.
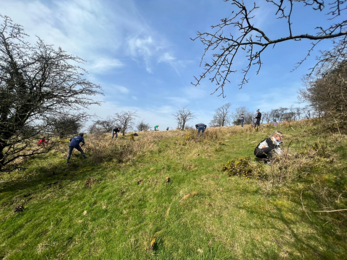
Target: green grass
pixel 107 209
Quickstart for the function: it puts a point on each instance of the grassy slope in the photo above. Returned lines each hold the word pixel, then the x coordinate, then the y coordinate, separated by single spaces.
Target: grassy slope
pixel 67 215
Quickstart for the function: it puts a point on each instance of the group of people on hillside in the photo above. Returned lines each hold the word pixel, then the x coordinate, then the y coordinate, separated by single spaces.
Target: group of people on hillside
pixel 257 119
pixel 266 149
pixel 156 128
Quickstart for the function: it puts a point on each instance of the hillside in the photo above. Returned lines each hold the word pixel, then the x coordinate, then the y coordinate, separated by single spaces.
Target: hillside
pixel 163 195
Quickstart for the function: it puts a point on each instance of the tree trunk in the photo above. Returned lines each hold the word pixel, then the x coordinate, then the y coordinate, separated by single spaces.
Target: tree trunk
pixel 2 147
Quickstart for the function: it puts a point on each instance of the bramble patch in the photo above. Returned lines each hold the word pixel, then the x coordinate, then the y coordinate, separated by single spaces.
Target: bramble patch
pixel 241 167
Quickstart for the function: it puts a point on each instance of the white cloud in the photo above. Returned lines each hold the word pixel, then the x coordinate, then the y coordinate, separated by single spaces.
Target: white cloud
pixel 144 48
pixel 121 89
pixel 179 101
pixel 103 65
pixel 166 57
pixel 88 29
pixel 141 47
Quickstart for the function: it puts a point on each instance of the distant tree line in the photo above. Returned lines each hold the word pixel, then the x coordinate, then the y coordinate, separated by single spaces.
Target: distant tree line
pixel 278 115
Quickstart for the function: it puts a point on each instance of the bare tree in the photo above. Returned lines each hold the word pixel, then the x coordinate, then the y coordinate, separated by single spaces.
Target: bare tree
pixel 247 114
pixel 37 82
pixel 182 116
pixel 222 116
pixel 102 126
pixel 298 112
pixel 252 41
pixel 125 120
pixel 265 117
pixel 142 126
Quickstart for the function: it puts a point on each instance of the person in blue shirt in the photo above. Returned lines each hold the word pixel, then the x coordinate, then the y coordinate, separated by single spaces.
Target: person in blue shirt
pixel 242 120
pixel 75 143
pixel 201 127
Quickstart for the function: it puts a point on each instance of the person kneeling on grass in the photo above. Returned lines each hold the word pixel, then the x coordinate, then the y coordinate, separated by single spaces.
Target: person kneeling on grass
pixel 75 143
pixel 269 146
pixel 42 141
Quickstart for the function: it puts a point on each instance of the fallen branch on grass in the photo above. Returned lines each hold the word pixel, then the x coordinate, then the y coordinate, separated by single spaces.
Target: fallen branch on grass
pixel 328 211
pixel 188 195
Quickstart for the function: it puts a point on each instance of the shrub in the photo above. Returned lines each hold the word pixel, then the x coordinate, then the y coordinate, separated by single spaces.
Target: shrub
pixel 241 167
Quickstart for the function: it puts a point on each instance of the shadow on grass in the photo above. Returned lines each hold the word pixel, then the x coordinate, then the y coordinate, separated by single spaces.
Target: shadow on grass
pixel 300 234
pixel 52 174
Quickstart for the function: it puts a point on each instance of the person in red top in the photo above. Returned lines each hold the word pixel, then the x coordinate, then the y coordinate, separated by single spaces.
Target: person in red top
pixel 42 141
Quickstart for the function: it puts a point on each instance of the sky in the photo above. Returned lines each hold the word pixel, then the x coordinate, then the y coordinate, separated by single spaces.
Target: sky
pixel 141 53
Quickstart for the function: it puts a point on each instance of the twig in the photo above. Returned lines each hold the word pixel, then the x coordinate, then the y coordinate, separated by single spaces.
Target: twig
pixel 328 211
pixel 303 207
pixel 337 124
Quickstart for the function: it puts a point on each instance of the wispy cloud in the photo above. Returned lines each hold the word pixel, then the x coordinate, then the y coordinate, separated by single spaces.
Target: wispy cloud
pixel 170 59
pixel 104 65
pixel 178 101
pixel 121 89
pixel 142 47
pixel 89 29
pixel 166 57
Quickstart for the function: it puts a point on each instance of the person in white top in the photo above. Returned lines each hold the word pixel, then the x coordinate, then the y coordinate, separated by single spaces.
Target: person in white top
pixel 266 148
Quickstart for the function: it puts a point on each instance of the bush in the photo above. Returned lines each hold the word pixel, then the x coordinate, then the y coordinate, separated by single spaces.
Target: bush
pixel 241 167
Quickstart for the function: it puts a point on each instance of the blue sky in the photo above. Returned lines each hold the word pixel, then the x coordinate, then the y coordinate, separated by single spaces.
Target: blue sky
pixel 141 54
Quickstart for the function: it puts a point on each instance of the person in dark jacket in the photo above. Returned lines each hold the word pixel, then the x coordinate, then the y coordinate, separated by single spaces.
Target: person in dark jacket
pixel 201 127
pixel 258 117
pixel 269 146
pixel 115 132
pixel 75 143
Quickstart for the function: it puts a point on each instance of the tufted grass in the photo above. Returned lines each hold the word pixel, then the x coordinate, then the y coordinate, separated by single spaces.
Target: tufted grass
pixel 117 204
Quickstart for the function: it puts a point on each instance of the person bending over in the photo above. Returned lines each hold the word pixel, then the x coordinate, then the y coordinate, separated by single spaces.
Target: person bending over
pixel 75 143
pixel 42 141
pixel 115 132
pixel 269 146
pixel 201 127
